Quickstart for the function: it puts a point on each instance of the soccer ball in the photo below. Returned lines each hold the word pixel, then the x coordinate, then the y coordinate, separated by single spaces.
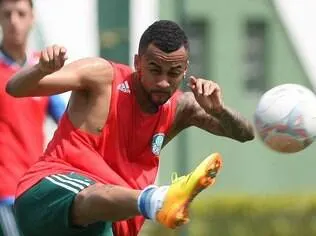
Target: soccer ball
pixel 285 118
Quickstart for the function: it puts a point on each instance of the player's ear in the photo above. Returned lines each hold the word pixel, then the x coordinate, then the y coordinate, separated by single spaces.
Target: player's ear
pixel 137 62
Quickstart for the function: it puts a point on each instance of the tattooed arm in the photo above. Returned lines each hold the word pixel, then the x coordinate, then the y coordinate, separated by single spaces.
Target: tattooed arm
pixel 226 123
pixel 211 113
pixel 233 125
pixel 203 107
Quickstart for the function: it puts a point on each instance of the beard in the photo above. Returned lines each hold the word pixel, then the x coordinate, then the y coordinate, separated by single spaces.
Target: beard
pixel 158 98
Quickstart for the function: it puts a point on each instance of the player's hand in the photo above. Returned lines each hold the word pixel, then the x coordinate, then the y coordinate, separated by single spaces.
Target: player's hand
pixel 52 58
pixel 207 93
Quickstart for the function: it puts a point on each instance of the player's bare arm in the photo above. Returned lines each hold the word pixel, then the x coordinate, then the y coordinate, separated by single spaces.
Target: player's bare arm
pixel 204 108
pixel 50 76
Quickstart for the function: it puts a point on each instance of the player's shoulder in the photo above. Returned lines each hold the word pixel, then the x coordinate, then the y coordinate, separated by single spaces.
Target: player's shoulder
pixel 186 99
pixel 184 111
pixel 101 69
pixel 95 62
pixel 92 68
pixel 186 104
pixel 102 63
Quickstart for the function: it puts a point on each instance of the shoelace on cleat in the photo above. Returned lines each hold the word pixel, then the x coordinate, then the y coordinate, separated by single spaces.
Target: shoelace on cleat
pixel 175 178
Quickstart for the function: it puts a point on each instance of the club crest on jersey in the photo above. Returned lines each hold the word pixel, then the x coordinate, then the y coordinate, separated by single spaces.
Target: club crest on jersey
pixel 156 143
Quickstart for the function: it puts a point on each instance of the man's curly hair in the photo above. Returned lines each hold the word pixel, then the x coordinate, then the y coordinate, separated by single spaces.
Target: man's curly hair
pixel 165 35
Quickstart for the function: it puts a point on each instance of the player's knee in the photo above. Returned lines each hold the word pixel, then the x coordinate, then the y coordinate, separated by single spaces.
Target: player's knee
pixel 83 210
pixel 82 204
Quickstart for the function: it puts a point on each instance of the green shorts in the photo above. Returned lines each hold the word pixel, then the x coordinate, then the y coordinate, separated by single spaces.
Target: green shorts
pixel 45 208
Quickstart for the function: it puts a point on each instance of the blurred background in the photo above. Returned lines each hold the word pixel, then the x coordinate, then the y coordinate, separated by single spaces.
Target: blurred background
pixel 247 47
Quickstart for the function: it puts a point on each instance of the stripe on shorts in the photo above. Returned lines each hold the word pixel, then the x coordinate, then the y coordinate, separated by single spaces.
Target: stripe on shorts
pixel 71 184
pixel 84 182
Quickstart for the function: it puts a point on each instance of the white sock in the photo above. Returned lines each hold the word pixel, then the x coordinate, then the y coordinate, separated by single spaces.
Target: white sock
pixel 150 200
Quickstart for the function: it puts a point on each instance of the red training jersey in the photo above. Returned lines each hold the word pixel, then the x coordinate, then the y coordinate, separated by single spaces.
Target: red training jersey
pixel 126 153
pixel 21 129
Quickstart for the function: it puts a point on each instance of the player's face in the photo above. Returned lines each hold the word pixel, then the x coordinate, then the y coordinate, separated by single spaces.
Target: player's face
pixel 16 19
pixel 161 73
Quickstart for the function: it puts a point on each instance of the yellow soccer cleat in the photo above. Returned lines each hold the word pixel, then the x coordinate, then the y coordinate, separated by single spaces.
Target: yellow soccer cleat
pixel 174 210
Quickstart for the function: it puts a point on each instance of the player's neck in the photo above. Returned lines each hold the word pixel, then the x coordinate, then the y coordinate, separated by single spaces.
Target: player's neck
pixel 141 96
pixel 15 52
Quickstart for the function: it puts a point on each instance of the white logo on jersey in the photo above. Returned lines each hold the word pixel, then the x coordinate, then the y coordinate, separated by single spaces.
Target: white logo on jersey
pixel 36 98
pixel 124 87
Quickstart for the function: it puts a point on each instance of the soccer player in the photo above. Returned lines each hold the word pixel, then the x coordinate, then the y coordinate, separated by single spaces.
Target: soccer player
pixel 21 120
pixel 96 176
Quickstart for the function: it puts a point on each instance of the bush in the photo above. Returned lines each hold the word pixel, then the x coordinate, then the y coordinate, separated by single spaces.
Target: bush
pixel 243 216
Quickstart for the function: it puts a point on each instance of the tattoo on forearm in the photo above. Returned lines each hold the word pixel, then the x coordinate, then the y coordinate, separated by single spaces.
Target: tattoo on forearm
pixel 234 125
pixel 225 123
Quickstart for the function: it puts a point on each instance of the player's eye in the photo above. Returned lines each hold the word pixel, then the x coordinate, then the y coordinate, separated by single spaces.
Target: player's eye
pixel 155 71
pixel 174 74
pixel 22 14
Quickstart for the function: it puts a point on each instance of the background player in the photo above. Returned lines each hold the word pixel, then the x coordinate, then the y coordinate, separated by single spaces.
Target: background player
pixel 21 120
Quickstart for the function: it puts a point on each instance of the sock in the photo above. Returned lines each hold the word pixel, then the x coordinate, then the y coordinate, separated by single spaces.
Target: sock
pixel 150 200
